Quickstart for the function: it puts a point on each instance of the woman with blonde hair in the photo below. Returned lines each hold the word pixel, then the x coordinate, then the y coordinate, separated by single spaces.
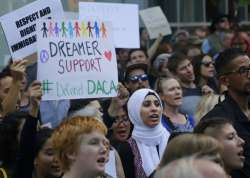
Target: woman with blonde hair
pixel 192 144
pixel 191 167
pixel 81 147
pixel 170 92
pixel 206 103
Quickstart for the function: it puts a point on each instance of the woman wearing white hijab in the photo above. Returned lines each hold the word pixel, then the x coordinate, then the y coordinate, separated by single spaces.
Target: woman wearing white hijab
pixel 149 138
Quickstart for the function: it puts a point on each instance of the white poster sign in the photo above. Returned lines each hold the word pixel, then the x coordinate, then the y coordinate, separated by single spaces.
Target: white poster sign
pixel 71 15
pixel 155 22
pixel 124 19
pixel 76 60
pixel 19 26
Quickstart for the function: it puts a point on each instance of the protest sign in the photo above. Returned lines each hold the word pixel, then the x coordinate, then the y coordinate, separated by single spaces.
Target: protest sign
pixel 19 26
pixel 76 60
pixel 124 19
pixel 155 22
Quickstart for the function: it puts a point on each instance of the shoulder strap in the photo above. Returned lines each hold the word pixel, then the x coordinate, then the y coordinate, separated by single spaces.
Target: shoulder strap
pixel 170 126
pixel 191 120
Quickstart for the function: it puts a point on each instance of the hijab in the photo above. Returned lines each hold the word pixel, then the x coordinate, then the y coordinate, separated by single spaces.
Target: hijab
pixel 147 138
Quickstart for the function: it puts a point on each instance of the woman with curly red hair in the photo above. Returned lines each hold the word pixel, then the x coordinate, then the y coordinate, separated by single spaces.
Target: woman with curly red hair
pixel 81 147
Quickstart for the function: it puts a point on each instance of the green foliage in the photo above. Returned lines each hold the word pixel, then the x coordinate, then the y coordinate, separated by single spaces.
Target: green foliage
pixel 244 2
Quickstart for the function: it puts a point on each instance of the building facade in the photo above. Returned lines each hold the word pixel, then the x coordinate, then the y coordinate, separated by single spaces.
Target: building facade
pixel 180 13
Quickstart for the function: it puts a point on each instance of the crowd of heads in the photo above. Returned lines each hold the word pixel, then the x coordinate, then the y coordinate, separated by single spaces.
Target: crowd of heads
pixel 156 123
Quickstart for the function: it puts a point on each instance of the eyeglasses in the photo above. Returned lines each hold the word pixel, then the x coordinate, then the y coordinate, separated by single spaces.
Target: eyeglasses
pixel 136 78
pixel 243 71
pixel 121 119
pixel 207 64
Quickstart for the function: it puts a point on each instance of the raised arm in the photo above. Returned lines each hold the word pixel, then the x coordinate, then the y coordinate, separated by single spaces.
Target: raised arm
pixel 152 49
pixel 9 102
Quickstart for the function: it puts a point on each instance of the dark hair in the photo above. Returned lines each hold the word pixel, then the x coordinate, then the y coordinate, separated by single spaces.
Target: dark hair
pixel 41 137
pixel 217 19
pixel 77 104
pixel 197 62
pixel 151 93
pixel 213 122
pixel 5 72
pixel 225 58
pixel 133 67
pixel 109 122
pixel 175 60
pixel 118 50
pixel 9 128
pixel 144 50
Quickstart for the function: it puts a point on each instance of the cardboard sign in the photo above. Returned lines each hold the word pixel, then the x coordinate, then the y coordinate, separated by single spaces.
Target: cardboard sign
pixel 19 26
pixel 76 59
pixel 155 22
pixel 124 19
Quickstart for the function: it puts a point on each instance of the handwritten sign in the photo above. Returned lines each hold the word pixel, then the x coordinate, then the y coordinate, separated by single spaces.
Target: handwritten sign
pixel 19 26
pixel 76 59
pixel 124 19
pixel 155 22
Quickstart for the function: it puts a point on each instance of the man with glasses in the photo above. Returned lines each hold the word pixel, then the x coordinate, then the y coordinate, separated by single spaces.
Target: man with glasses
pixel 233 71
pixel 136 77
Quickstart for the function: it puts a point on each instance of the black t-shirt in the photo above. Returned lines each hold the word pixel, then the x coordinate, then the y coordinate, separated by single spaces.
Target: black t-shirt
pixel 229 109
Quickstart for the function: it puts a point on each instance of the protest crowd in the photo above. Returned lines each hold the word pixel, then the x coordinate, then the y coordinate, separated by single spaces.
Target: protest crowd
pixel 181 111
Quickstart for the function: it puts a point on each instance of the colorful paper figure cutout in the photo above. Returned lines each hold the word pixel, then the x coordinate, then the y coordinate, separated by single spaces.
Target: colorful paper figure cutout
pixel 103 30
pixel 77 29
pixel 50 29
pixel 57 29
pixel 71 30
pixel 64 30
pixel 97 30
pixel 44 30
pixel 83 29
pixel 89 28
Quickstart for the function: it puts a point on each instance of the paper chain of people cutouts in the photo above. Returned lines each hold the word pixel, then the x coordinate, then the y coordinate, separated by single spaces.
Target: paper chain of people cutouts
pixel 74 29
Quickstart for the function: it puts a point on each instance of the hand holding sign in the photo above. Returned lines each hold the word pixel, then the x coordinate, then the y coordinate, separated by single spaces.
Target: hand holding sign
pixel 119 101
pixel 155 22
pixel 35 95
pixel 35 92
pixel 75 65
pixel 17 70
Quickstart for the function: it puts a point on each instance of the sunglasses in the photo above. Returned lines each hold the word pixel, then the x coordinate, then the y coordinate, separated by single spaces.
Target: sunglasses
pixel 207 64
pixel 136 78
